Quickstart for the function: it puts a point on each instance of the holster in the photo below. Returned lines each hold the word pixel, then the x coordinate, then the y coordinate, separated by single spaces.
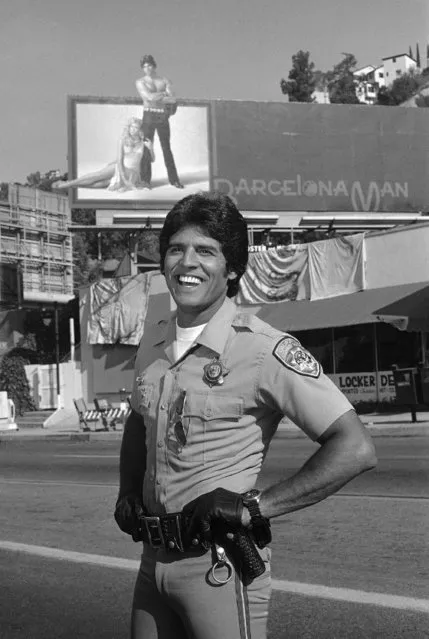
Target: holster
pixel 241 551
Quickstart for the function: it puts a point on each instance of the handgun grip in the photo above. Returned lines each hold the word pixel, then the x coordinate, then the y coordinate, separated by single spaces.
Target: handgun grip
pixel 245 556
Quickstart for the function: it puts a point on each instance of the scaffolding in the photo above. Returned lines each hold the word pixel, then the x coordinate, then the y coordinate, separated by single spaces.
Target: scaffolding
pixel 35 238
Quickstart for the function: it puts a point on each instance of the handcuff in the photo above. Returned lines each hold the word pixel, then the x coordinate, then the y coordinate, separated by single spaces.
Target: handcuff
pixel 221 562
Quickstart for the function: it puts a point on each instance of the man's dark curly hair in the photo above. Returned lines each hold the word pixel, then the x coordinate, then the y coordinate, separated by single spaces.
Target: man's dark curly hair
pixel 147 59
pixel 217 216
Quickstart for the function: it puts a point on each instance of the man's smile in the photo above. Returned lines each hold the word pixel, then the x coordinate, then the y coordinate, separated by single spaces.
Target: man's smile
pixel 189 281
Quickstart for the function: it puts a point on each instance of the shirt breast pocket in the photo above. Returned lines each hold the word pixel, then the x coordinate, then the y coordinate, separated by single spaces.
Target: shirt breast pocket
pixel 213 425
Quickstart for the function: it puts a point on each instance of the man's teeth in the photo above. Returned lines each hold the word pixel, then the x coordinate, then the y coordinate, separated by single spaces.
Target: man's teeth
pixel 188 279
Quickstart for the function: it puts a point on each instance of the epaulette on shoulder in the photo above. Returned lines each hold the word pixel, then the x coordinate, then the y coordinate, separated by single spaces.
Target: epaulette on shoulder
pixel 256 325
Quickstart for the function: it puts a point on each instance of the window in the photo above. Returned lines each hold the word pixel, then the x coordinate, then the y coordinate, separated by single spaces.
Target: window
pixel 393 59
pixel 381 75
pixel 387 74
pixel 398 71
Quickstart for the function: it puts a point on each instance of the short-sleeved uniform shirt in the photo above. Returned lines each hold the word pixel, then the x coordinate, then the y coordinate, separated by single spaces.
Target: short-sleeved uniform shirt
pixel 202 435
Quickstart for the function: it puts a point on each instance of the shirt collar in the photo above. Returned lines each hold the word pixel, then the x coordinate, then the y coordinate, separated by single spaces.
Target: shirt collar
pixel 216 333
pixel 213 336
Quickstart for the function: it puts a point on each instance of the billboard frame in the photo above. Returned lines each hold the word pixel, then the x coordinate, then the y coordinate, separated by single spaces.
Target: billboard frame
pixel 73 101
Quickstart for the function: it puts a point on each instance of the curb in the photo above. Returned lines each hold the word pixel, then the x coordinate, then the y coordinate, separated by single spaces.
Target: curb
pixel 380 430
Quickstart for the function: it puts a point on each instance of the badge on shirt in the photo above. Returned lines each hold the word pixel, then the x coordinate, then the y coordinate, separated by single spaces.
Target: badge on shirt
pixel 292 355
pixel 214 373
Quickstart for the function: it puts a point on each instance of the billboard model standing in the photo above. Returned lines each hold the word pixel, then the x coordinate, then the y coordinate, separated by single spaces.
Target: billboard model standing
pixel 158 105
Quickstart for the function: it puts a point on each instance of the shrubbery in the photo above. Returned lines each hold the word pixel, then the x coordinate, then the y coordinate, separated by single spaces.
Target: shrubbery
pixel 14 381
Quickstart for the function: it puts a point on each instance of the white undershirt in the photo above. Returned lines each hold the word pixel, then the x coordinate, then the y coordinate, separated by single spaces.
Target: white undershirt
pixel 185 338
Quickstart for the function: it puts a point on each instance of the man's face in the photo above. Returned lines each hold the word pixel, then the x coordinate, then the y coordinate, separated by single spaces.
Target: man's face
pixel 196 274
pixel 148 68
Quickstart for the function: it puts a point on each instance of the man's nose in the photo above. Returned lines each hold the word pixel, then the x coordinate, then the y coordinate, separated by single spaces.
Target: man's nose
pixel 190 257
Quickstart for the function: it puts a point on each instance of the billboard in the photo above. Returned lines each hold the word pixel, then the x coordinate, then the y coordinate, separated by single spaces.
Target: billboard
pixel 268 156
pixel 112 164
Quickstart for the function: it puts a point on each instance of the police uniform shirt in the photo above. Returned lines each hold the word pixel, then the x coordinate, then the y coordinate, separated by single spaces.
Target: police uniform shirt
pixel 202 434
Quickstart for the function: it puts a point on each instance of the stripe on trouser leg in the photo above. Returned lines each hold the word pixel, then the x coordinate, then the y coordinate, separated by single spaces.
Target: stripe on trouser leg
pixel 242 608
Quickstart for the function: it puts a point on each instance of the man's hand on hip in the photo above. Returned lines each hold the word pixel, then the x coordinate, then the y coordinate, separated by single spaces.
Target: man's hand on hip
pixel 220 506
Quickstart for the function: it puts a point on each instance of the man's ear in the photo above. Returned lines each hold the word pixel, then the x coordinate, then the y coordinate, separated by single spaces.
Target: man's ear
pixel 232 275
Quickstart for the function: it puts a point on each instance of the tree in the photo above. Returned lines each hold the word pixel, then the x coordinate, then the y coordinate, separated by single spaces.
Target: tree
pixel 301 81
pixel 44 181
pixel 384 97
pixel 13 380
pixel 418 55
pixel 410 52
pixel 422 101
pixel 401 90
pixel 341 82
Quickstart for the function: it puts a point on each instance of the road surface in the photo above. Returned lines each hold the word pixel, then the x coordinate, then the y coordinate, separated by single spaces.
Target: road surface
pixel 353 566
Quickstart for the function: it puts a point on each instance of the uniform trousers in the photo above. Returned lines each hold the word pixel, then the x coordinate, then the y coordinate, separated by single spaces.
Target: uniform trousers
pixel 175 597
pixel 152 122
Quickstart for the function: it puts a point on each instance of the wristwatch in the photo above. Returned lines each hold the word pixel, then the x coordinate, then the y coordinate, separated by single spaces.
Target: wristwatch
pixel 261 527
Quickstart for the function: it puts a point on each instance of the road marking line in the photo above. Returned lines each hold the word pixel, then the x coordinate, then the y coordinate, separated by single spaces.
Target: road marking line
pixel 293 587
pixel 360 496
pixel 353 596
pixel 70 555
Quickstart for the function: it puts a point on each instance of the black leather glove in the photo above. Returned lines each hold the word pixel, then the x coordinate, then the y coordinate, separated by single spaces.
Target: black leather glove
pixel 127 512
pixel 219 507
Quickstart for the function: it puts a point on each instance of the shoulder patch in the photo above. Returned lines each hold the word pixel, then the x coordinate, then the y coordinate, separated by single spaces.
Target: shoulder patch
pixel 291 354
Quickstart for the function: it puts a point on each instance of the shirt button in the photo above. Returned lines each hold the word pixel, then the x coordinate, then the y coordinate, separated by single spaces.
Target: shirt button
pixel 163 406
pixel 158 481
pixel 160 444
pixel 209 412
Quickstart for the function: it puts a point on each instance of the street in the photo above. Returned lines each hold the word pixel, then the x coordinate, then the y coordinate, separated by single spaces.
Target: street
pixel 353 566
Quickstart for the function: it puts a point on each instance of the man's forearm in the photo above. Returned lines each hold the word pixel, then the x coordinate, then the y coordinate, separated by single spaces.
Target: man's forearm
pixel 341 457
pixel 132 461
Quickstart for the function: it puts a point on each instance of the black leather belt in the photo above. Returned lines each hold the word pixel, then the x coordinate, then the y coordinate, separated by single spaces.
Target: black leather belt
pixel 166 531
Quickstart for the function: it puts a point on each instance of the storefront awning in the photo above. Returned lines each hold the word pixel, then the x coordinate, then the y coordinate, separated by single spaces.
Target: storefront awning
pixel 363 307
pixel 414 307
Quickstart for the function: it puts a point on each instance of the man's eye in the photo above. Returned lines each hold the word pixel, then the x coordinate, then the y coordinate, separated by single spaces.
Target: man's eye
pixel 173 250
pixel 204 251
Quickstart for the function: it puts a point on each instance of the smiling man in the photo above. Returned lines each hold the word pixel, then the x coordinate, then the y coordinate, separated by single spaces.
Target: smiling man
pixel 211 386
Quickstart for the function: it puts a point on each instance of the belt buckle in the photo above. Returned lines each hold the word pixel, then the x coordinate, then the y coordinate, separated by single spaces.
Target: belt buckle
pixel 150 521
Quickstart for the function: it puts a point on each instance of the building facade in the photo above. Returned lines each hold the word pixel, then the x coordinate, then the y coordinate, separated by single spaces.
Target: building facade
pixel 36 247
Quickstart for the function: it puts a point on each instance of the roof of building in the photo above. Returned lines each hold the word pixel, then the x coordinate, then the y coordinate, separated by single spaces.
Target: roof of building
pixel 399 55
pixel 368 66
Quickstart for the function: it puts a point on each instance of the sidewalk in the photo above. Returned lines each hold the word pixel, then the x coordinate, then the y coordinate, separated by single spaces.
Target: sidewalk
pixel 65 425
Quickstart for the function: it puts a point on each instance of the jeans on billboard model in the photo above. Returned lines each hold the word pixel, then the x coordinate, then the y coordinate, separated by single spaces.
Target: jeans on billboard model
pixel 157 120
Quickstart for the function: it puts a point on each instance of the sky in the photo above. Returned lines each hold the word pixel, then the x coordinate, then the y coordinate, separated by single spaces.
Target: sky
pixel 228 49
